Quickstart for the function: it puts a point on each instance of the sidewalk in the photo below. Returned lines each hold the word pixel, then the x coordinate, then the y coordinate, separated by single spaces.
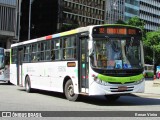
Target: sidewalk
pixel 152 89
pixel 152 86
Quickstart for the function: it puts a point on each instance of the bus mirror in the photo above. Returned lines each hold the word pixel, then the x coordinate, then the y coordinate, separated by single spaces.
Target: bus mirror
pixel 91 53
pixel 84 35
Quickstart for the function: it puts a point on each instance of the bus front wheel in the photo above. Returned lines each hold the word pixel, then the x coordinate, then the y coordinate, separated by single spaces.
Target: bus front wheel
pixel 69 91
pixel 112 98
pixel 28 84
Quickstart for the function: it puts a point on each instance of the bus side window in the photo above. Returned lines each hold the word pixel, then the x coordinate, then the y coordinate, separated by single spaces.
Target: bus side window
pixel 52 50
pixel 47 50
pixel 38 51
pixel 69 48
pixel 57 49
pixel 14 58
pixel 34 50
pixel 42 51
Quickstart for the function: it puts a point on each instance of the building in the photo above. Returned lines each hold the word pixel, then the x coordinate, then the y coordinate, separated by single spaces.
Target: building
pixel 83 12
pixel 115 10
pixel 7 22
pixel 146 10
pixel 121 10
pixel 150 13
pixel 131 9
pixel 42 17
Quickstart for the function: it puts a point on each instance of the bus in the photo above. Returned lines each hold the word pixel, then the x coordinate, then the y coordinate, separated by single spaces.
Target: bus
pixel 4 65
pixel 148 71
pixel 93 60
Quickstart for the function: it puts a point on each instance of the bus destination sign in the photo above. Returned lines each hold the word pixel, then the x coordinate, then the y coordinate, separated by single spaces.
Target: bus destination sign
pixel 115 31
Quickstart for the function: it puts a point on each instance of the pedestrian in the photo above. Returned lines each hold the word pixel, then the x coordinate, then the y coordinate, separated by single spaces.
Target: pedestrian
pixel 158 74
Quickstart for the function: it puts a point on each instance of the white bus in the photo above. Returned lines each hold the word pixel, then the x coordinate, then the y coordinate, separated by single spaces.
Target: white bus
pixel 4 65
pixel 94 60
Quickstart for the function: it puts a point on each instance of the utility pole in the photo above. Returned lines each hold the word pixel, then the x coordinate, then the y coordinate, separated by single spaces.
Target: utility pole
pixel 29 21
pixel 18 19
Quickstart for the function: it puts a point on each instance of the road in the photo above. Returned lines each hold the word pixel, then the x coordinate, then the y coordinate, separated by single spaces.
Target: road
pixel 14 98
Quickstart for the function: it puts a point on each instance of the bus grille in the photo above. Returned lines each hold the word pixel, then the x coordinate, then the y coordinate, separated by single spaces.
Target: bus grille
pixel 120 82
pixel 116 89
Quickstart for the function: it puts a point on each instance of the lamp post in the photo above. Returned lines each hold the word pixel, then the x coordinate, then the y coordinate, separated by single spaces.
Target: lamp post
pixel 29 21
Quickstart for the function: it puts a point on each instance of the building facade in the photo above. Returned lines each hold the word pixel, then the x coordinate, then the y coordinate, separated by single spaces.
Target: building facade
pixel 83 12
pixel 114 10
pixel 7 22
pixel 150 13
pixel 52 16
pixel 146 10
pixel 131 9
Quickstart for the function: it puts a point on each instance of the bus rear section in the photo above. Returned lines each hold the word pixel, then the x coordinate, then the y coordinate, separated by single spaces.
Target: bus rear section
pixel 5 65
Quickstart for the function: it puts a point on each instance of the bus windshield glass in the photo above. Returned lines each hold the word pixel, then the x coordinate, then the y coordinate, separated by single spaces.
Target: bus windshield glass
pixel 1 61
pixel 117 53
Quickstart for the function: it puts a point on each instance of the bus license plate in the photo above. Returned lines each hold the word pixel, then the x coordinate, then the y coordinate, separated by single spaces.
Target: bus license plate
pixel 122 88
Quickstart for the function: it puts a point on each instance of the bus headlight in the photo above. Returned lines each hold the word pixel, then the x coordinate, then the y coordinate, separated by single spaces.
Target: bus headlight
pixel 139 81
pixel 101 82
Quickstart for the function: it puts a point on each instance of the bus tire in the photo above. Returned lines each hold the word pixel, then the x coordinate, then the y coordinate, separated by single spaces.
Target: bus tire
pixel 28 84
pixel 112 98
pixel 69 91
pixel 8 82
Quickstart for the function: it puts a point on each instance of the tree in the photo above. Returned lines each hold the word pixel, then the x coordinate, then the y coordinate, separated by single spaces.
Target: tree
pixel 152 45
pixel 136 21
pixel 120 22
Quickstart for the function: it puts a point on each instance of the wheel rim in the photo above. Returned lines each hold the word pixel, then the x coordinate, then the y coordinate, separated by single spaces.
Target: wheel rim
pixel 71 90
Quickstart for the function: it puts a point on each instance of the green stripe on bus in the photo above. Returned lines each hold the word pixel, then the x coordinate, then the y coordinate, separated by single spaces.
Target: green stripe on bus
pixel 121 79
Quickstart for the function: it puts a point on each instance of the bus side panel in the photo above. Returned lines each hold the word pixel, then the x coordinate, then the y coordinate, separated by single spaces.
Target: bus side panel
pixel 13 74
pixel 50 75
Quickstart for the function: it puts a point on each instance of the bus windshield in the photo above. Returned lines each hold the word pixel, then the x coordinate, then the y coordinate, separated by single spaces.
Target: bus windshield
pixel 117 53
pixel 1 61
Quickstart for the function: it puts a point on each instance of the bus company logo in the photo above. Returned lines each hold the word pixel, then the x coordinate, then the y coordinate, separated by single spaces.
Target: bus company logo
pixel 6 114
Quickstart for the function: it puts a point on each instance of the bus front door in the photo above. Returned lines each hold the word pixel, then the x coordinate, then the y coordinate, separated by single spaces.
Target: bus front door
pixel 19 67
pixel 83 64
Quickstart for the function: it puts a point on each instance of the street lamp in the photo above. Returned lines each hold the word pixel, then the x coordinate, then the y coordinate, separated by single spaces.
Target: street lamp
pixel 29 24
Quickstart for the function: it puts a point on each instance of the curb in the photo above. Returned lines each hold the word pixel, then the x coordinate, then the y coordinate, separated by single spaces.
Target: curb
pixel 148 95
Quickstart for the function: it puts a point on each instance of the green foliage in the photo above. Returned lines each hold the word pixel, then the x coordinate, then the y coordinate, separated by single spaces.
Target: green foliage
pixel 152 43
pixel 136 21
pixel 120 22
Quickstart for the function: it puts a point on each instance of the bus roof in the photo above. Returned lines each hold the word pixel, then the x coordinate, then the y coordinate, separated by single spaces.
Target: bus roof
pixel 70 32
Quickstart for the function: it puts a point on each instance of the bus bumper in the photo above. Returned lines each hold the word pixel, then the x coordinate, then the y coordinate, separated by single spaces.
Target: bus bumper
pixel 98 89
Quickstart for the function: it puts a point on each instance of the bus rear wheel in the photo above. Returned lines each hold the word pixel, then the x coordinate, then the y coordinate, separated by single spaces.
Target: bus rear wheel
pixel 28 84
pixel 69 91
pixel 112 98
